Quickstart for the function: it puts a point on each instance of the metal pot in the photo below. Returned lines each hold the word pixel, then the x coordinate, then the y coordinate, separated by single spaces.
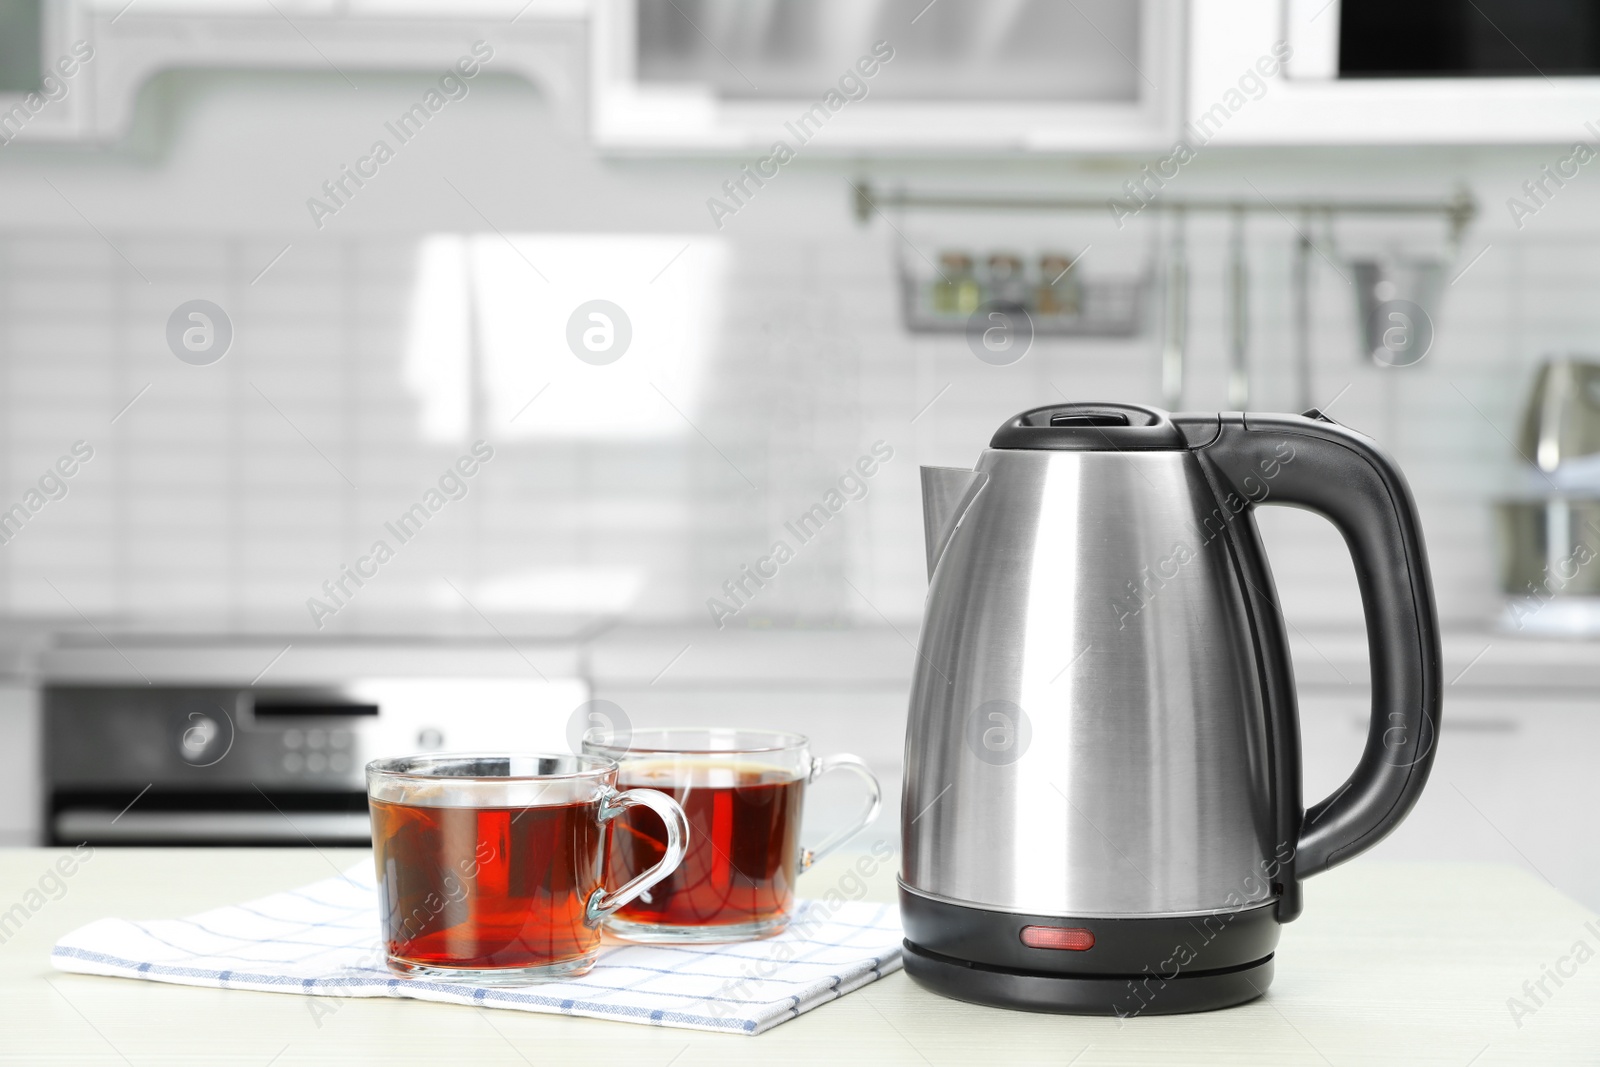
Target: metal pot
pixel 1562 422
pixel 1550 547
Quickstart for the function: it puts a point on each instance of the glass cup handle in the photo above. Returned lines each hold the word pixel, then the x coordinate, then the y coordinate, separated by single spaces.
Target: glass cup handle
pixel 612 804
pixel 857 766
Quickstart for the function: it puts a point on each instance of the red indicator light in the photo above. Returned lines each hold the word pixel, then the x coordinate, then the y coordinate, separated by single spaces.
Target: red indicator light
pixel 1070 938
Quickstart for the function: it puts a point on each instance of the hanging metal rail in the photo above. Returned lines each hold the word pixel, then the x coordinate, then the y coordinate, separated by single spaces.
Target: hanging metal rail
pixel 1458 210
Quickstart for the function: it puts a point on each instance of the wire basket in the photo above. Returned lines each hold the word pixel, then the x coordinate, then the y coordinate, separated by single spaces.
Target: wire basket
pixel 1070 306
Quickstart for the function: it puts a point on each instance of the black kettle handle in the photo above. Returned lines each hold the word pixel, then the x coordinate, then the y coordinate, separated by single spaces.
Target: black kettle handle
pixel 1312 462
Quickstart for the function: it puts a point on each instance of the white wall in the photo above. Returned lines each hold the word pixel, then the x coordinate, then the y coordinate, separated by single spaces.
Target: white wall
pixel 206 504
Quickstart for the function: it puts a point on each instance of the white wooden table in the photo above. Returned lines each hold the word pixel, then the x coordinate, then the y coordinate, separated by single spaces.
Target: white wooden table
pixel 1391 964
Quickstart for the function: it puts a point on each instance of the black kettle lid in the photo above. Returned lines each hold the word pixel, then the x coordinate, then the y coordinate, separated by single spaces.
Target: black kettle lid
pixel 1089 427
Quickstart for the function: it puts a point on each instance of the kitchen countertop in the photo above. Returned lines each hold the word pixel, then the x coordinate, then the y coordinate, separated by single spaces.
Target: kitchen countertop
pixel 670 657
pixel 1392 963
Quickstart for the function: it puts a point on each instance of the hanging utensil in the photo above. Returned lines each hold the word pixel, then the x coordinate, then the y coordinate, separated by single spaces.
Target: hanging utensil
pixel 1177 317
pixel 1302 317
pixel 1396 298
pixel 1238 319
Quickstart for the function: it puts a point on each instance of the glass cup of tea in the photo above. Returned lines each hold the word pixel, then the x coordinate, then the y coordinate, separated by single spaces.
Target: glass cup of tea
pixel 491 867
pixel 742 791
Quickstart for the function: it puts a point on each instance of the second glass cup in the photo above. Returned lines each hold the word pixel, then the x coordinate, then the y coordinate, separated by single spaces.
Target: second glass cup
pixel 743 792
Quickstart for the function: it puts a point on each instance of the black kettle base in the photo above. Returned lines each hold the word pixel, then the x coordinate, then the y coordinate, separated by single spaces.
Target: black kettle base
pixel 1124 997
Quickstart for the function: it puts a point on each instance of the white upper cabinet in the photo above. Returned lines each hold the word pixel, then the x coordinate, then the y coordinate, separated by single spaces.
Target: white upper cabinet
pixel 772 79
pixel 863 76
pixel 1392 72
pixel 95 56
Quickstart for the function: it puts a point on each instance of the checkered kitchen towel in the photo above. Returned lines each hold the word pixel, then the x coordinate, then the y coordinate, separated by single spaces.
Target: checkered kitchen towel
pixel 321 940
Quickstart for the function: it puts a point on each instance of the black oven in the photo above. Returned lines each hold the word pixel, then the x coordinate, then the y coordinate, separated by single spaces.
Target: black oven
pixel 285 765
pixel 207 766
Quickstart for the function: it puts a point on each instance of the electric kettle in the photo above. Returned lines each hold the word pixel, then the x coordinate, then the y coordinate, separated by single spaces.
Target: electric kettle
pixel 1102 809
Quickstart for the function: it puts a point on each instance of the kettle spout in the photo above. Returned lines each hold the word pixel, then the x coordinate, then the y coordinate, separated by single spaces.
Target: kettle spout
pixel 947 492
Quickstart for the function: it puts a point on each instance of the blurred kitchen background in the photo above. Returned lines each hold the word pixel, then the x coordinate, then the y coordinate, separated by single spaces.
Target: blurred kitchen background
pixel 168 678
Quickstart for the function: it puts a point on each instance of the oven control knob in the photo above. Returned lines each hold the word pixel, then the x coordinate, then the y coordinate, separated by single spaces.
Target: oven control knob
pixel 429 739
pixel 200 739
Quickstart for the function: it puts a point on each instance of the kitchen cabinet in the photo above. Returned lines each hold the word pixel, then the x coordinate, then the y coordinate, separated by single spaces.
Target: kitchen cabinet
pixel 60 107
pixel 854 77
pixel 113 49
pixel 22 785
pixel 1512 781
pixel 1308 104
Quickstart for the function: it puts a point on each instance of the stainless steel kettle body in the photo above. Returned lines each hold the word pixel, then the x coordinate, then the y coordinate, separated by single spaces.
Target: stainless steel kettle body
pixel 1102 805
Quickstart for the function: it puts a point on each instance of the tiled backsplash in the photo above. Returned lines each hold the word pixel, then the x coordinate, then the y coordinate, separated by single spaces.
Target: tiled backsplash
pixel 767 359
pixel 228 494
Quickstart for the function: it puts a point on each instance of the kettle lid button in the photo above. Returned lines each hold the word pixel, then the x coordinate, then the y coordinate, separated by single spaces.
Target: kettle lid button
pixel 1092 418
pixel 1091 427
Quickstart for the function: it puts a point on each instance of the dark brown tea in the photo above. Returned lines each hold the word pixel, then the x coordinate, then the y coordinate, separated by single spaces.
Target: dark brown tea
pixel 744 822
pixel 486 887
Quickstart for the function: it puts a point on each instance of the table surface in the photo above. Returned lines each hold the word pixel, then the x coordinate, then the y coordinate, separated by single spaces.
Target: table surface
pixel 1391 963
